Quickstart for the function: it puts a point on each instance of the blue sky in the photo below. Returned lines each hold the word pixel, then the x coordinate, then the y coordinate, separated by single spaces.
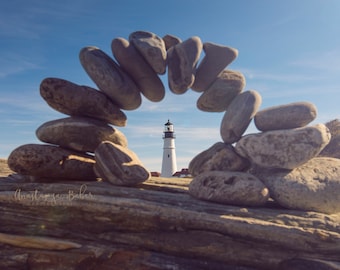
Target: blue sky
pixel 289 51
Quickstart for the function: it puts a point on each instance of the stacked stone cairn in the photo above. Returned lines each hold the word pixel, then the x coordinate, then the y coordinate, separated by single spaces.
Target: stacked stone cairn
pixel 280 162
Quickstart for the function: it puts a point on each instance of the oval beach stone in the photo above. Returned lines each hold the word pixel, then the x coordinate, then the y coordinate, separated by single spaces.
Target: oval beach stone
pixel 219 157
pixel 72 99
pixel 238 116
pixel 216 58
pixel 182 60
pixel 152 48
pixel 119 165
pixel 222 92
pixel 48 161
pixel 286 149
pixel 110 78
pixel 293 115
pixel 171 40
pixel 236 188
pixel 139 70
pixel 313 186
pixel 79 133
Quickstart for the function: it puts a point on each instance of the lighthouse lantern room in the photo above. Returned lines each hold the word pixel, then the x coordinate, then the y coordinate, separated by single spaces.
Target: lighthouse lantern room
pixel 169 164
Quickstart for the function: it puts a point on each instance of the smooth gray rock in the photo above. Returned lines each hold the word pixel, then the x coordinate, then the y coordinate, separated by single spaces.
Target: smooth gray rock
pixel 152 48
pixel 216 58
pixel 182 60
pixel 313 186
pixel 221 93
pixel 72 99
pixel 219 157
pixel 52 162
pixel 171 40
pixel 139 70
pixel 79 133
pixel 236 188
pixel 119 165
pixel 293 115
pixel 110 78
pixel 333 148
pixel 238 116
pixel 286 149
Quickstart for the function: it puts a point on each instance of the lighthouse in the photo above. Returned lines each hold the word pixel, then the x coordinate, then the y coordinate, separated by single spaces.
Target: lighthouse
pixel 169 164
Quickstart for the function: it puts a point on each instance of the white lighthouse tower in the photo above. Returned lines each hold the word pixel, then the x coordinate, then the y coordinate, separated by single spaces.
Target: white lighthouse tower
pixel 169 164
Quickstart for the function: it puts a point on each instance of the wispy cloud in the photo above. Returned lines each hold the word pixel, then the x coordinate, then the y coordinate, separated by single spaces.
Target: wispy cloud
pixel 13 63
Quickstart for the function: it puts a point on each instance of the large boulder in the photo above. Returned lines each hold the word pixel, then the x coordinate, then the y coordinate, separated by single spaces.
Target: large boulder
pixel 333 148
pixel 313 186
pixel 286 149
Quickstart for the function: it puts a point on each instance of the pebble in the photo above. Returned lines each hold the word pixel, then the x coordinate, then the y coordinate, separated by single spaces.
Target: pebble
pixel 79 133
pixel 53 162
pixel 138 69
pixel 219 157
pixel 72 99
pixel 235 188
pixel 119 165
pixel 110 78
pixel 286 149
pixel 293 115
pixel 237 118
pixel 216 58
pixel 313 186
pixel 170 41
pixel 152 48
pixel 222 92
pixel 182 60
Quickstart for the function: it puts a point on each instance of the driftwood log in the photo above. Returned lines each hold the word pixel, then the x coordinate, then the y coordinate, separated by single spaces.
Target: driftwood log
pixel 156 225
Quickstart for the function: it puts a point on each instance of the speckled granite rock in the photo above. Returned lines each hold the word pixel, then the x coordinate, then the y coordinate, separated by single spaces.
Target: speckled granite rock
pixel 240 112
pixel 110 78
pixel 293 115
pixel 79 133
pixel 118 165
pixel 235 188
pixel 72 99
pixel 219 157
pixel 138 69
pixel 182 60
pixel 313 186
pixel 286 149
pixel 53 162
pixel 216 58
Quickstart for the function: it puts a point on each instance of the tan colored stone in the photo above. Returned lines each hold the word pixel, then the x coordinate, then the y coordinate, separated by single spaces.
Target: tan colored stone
pixel 118 165
pixel 332 149
pixel 152 48
pixel 293 115
pixel 139 70
pixel 219 157
pixel 313 186
pixel 238 116
pixel 236 188
pixel 171 40
pixel 286 149
pixel 182 61
pixel 48 161
pixel 216 58
pixel 79 133
pixel 110 78
pixel 72 99
pixel 221 93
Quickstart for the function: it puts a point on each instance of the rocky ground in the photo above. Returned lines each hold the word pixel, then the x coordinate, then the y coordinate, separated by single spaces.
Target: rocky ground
pixel 4 170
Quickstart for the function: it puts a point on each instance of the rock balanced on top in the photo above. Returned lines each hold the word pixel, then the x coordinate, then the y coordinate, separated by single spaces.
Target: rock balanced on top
pixel 226 170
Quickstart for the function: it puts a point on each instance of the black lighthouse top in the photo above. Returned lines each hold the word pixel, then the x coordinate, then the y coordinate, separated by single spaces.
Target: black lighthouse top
pixel 168 130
